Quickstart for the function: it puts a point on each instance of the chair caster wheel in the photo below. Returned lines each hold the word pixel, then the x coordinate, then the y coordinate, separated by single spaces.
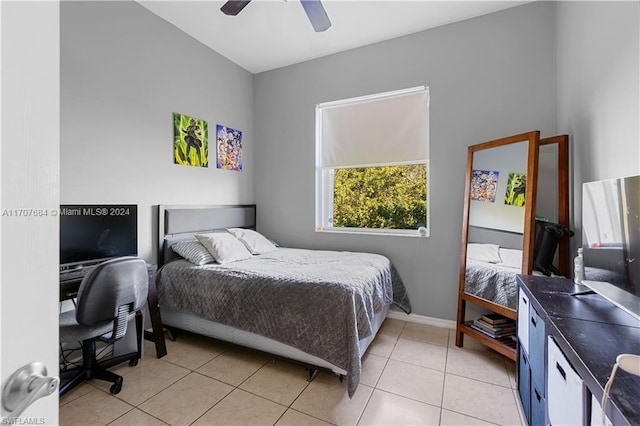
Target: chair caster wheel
pixel 133 362
pixel 116 387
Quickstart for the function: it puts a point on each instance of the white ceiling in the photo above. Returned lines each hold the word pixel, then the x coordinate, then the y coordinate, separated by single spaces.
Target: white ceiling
pixel 270 34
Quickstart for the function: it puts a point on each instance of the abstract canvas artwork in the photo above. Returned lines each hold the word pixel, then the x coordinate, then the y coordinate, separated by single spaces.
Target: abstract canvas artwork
pixel 190 141
pixel 516 189
pixel 483 185
pixel 229 143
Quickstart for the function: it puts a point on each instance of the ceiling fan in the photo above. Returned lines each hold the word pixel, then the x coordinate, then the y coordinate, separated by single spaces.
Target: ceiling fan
pixel 313 8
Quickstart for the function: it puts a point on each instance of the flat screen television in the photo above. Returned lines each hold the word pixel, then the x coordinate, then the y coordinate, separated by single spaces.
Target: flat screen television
pixel 611 240
pixel 92 233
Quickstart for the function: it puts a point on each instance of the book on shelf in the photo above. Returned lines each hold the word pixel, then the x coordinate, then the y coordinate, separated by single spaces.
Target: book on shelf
pixel 507 340
pixel 495 318
pixel 506 332
pixel 494 328
pixel 506 337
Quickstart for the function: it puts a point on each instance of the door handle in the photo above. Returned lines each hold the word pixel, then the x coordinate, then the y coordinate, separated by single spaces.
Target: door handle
pixel 27 384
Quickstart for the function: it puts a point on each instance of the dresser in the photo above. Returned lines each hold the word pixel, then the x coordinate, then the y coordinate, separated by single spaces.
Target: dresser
pixel 568 345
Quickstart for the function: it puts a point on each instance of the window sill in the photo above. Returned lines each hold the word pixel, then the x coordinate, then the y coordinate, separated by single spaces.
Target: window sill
pixel 385 233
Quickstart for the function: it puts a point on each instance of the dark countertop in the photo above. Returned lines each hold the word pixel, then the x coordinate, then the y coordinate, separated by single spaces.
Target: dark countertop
pixel 592 332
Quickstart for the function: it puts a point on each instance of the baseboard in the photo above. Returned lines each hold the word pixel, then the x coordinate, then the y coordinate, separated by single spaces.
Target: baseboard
pixel 421 319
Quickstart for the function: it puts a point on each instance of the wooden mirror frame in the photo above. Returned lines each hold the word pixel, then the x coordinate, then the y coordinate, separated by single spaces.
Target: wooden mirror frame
pixel 562 191
pixel 533 151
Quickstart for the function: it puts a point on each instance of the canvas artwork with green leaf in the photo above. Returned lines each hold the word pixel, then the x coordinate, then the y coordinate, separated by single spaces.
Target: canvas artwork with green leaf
pixel 190 141
pixel 516 189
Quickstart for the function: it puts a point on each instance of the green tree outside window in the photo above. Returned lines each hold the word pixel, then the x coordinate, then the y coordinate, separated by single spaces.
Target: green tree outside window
pixel 387 197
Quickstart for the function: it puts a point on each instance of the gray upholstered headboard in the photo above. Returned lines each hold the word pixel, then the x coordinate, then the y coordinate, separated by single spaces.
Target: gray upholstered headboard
pixel 179 223
pixel 506 239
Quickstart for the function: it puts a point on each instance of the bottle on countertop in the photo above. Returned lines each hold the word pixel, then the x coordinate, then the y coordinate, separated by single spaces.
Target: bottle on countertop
pixel 578 268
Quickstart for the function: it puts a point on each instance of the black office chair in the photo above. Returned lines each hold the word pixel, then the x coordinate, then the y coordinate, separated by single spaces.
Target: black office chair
pixel 109 296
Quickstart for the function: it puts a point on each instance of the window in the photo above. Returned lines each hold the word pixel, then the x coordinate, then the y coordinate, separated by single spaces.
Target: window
pixel 372 158
pixel 601 221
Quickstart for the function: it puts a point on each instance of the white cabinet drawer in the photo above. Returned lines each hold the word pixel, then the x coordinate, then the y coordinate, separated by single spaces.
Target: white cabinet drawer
pixel 565 389
pixel 523 320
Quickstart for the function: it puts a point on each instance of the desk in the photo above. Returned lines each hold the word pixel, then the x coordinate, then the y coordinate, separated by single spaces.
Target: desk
pixel 69 290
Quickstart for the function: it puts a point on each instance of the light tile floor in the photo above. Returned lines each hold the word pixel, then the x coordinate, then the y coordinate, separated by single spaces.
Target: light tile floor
pixel 413 374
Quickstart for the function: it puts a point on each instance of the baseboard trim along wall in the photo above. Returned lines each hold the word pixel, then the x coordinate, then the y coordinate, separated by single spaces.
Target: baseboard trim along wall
pixel 420 319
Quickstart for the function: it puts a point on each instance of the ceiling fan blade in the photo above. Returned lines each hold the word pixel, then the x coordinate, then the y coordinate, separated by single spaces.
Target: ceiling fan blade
pixel 233 7
pixel 317 15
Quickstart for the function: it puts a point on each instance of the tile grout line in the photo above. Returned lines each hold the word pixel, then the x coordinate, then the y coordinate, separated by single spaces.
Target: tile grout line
pixel 375 385
pixel 444 379
pixel 191 370
pixel 141 410
pixel 235 387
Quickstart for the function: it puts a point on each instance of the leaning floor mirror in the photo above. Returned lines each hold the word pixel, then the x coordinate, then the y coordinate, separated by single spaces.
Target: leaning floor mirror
pixel 513 185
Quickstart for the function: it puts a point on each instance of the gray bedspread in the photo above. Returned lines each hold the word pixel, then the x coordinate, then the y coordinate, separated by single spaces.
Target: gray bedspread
pixel 492 282
pixel 321 302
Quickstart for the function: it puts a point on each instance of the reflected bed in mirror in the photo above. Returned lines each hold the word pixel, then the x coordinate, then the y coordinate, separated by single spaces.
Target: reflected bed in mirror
pixel 491 268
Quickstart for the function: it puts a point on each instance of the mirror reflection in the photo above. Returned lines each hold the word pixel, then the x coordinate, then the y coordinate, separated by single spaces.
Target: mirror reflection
pixel 498 185
pixel 497 205
pixel 516 191
pixel 547 184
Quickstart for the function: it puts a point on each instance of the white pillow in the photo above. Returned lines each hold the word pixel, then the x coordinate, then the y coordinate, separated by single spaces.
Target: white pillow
pixel 255 242
pixel 483 252
pixel 194 252
pixel 511 257
pixel 224 247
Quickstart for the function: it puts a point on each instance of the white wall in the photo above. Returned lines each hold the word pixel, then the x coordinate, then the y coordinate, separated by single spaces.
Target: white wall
pixel 598 73
pixel 124 72
pixel 488 77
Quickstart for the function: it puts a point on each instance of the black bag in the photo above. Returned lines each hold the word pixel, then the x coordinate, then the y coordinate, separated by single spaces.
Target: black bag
pixel 548 236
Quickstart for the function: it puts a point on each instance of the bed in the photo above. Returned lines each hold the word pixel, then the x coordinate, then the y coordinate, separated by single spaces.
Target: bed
pixel 319 308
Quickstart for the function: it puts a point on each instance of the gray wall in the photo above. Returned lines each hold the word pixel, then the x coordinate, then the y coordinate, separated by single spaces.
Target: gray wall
pixel 567 67
pixel 124 71
pixel 598 58
pixel 489 77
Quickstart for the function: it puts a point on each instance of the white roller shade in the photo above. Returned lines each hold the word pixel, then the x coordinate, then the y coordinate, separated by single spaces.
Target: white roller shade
pixel 380 129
